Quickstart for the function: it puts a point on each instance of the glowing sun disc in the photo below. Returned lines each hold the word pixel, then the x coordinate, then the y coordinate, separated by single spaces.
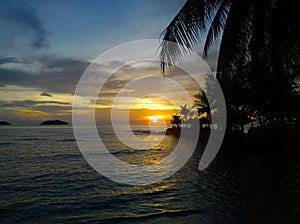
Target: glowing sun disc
pixel 155 118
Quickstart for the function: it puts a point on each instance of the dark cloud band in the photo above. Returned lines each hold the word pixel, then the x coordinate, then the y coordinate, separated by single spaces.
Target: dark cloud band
pixel 27 17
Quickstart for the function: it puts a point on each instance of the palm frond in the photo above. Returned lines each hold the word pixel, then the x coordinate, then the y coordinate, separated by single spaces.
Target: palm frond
pixel 184 30
pixel 216 26
pixel 235 39
pixel 259 39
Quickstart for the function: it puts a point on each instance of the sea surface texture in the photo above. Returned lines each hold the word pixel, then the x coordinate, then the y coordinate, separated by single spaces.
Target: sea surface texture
pixel 45 179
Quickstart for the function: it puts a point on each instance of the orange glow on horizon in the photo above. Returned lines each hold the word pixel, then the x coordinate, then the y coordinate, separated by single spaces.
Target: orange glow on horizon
pixel 146 116
pixel 152 109
pixel 155 118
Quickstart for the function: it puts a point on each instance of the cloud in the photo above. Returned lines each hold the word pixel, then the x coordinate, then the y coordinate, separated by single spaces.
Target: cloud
pixel 27 114
pixel 24 65
pixel 45 94
pixel 26 16
pixel 31 103
pixel 59 75
pixel 2 84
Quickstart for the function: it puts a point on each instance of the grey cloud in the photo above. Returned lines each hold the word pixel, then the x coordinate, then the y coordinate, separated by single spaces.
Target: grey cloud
pixel 52 107
pixel 116 63
pixel 30 103
pixel 59 75
pixel 45 94
pixel 2 84
pixel 6 60
pixel 26 16
pixel 115 84
pixel 54 102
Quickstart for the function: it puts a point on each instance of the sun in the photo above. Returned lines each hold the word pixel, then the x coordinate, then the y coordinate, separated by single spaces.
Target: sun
pixel 155 118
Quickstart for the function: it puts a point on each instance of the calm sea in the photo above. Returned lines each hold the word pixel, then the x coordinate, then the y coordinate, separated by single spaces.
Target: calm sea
pixel 45 179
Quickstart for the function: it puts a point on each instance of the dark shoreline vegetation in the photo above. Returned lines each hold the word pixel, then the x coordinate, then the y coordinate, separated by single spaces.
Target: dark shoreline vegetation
pixel 269 142
pixel 258 67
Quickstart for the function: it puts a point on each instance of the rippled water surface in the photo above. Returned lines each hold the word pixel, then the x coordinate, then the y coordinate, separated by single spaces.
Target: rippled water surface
pixel 45 179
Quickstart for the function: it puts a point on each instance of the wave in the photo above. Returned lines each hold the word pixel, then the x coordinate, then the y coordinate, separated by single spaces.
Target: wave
pixel 133 151
pixel 141 132
pixel 6 143
pixel 148 132
pixel 145 217
pixel 30 139
pixel 66 140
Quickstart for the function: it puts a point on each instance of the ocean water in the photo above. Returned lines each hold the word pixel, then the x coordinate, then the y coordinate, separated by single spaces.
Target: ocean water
pixel 45 179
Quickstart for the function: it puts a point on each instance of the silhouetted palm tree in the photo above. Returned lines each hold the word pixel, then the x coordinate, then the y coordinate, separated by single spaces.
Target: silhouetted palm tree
pixel 185 111
pixel 176 120
pixel 202 105
pixel 260 35
pixel 246 28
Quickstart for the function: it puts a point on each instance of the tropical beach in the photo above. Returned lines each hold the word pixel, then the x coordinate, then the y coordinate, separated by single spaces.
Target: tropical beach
pixel 149 112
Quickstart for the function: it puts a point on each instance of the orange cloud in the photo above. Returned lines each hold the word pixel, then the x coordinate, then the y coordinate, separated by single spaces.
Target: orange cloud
pixel 38 115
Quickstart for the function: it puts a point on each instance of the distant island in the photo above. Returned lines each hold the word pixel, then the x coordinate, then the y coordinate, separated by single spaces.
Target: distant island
pixel 4 123
pixel 54 122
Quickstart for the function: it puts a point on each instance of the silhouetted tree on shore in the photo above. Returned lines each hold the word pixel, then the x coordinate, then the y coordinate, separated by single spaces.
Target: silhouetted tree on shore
pixel 258 57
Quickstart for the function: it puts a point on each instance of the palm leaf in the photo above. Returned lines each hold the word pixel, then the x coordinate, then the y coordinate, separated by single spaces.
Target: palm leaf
pixel 235 39
pixel 216 26
pixel 184 30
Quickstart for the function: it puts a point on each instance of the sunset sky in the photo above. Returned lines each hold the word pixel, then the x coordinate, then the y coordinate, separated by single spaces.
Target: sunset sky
pixel 46 46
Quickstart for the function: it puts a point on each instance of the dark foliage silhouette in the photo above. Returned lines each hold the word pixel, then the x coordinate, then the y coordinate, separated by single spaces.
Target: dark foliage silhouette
pixel 258 57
